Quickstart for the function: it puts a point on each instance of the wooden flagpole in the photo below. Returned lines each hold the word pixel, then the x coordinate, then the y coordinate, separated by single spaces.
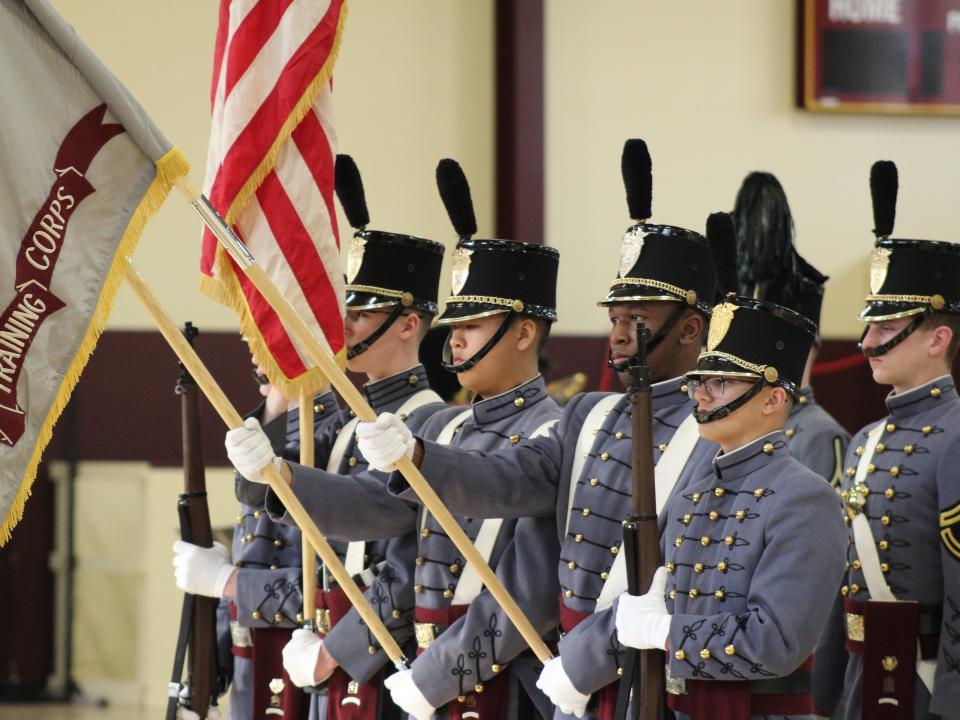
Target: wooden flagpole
pixel 309 556
pixel 358 403
pixel 232 419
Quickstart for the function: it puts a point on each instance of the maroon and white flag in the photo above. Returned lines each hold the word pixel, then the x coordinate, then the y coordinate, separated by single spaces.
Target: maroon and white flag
pixel 82 169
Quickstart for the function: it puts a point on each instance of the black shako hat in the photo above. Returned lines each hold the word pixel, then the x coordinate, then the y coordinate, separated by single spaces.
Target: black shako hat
pixel 384 269
pixel 756 339
pixel 769 266
pixel 907 277
pixel 658 262
pixel 491 277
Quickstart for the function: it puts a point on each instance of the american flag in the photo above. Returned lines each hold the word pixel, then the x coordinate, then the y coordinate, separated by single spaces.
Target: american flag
pixel 270 174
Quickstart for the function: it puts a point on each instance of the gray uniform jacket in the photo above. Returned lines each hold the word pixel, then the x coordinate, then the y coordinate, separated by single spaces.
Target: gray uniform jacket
pixel 523 555
pixel 349 642
pixel 268 555
pixel 912 499
pixel 816 439
pixel 819 442
pixel 534 480
pixel 755 553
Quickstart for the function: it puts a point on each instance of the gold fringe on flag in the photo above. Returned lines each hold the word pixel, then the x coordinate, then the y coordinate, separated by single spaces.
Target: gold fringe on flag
pixel 224 287
pixel 170 168
pixel 229 293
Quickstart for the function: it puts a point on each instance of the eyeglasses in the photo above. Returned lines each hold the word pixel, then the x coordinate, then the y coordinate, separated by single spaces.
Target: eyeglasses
pixel 713 386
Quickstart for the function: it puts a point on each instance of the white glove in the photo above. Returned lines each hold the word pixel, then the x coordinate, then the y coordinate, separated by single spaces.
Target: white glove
pixel 405 693
pixel 249 449
pixel 184 713
pixel 556 685
pixel 385 441
pixel 300 657
pixel 201 571
pixel 642 620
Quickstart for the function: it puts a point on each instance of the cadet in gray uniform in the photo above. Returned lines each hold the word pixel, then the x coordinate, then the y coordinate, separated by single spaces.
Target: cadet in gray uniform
pixel 901 593
pixel 262 589
pixel 769 268
pixel 580 474
pixel 392 279
pixel 392 285
pixel 753 549
pixel 503 301
pixel 264 597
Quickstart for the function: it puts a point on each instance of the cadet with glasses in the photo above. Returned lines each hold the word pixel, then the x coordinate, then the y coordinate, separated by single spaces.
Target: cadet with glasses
pixel 753 547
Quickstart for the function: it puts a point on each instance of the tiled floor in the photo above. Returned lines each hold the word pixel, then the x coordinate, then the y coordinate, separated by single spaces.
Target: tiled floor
pixel 36 711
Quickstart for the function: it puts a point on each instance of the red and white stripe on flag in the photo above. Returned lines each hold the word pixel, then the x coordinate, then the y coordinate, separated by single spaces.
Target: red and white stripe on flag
pixel 270 174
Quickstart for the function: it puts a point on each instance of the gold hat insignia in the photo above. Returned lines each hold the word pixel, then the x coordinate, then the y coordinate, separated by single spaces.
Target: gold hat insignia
pixel 460 269
pixel 879 264
pixel 630 250
pixel 720 321
pixel 355 257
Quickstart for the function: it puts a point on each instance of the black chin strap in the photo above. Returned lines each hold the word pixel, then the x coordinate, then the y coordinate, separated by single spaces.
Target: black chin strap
pixel 365 344
pixel 652 343
pixel 890 344
pixel 724 410
pixel 480 354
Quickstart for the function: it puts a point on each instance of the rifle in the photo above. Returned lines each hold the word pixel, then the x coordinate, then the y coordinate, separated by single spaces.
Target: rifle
pixel 643 670
pixel 198 616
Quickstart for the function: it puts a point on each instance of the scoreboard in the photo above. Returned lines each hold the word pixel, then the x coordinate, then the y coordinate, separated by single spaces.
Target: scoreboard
pixel 880 56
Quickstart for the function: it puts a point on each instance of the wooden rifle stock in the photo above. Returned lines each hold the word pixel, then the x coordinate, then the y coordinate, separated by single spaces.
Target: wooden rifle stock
pixel 644 669
pixel 201 619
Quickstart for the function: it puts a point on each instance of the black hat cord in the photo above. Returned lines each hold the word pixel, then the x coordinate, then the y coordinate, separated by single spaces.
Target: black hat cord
pixel 724 410
pixel 447 360
pixel 364 345
pixel 890 344
pixel 652 343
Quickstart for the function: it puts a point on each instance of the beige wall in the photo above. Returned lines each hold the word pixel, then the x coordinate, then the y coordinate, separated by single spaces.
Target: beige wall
pixel 414 83
pixel 709 85
pixel 127 608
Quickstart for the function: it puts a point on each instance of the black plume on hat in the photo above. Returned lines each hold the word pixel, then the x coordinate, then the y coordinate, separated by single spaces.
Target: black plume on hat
pixel 455 193
pixel 883 192
pixel 765 250
pixel 637 169
pixel 722 238
pixel 349 189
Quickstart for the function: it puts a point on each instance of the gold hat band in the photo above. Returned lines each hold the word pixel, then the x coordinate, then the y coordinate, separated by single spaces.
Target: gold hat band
pixel 516 305
pixel 714 354
pixel 689 295
pixel 935 301
pixel 405 298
